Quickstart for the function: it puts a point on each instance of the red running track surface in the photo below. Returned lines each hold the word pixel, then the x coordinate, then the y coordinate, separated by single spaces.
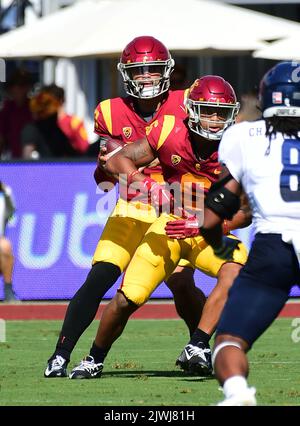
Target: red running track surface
pixel 54 311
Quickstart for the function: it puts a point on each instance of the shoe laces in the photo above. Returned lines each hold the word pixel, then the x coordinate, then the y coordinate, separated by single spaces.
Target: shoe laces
pixel 195 350
pixel 88 363
pixel 58 361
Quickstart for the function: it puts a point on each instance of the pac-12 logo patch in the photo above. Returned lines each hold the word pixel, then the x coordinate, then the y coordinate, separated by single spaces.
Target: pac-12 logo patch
pixel 175 159
pixel 127 131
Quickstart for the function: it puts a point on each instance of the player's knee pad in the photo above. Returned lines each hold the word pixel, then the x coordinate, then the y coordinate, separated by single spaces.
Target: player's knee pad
pixel 108 251
pixel 136 294
pixel 144 273
pixel 221 346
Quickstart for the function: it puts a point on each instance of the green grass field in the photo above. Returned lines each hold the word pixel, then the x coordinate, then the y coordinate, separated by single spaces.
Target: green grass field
pixel 139 370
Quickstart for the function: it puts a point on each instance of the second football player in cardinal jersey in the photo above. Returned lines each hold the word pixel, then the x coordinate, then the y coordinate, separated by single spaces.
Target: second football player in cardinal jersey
pixel 155 257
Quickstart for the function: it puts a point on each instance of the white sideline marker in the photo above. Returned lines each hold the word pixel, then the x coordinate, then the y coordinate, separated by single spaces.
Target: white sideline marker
pixel 2 330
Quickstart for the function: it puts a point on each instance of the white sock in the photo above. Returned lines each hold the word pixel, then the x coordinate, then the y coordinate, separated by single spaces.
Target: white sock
pixel 234 385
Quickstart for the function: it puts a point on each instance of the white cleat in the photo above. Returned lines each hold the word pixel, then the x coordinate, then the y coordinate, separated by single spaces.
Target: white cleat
pixel 87 369
pixel 243 399
pixel 56 367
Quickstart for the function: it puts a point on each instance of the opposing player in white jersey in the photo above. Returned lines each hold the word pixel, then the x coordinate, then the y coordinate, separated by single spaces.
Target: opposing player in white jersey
pixel 263 158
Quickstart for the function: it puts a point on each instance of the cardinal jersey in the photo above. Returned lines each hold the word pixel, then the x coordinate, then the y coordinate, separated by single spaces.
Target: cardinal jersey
pixel 117 118
pixel 169 137
pixel 268 171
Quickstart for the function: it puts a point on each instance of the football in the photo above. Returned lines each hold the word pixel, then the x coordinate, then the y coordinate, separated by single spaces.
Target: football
pixel 112 146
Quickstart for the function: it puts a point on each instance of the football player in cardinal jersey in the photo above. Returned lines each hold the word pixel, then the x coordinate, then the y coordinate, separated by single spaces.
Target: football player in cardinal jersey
pixel 263 159
pixel 187 150
pixel 145 66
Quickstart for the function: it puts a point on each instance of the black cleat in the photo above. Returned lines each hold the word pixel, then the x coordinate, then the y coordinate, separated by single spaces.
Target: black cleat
pixel 196 360
pixel 87 369
pixel 57 367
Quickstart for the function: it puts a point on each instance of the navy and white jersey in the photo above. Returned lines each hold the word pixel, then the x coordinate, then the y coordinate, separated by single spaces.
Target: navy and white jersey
pixel 269 174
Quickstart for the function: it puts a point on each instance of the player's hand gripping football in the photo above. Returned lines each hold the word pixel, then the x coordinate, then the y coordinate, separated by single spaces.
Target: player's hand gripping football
pixel 102 179
pixel 183 228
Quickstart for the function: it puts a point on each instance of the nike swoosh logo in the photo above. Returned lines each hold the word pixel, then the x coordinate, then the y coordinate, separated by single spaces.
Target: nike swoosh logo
pixel 47 372
pixel 188 355
pixel 199 353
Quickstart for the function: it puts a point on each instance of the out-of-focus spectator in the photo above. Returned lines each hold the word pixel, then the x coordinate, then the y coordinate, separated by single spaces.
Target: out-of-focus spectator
pixel 178 80
pixel 53 132
pixel 249 107
pixel 15 113
pixel 7 210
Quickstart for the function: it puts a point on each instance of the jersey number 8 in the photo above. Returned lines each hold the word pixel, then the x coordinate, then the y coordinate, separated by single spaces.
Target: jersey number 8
pixel 290 175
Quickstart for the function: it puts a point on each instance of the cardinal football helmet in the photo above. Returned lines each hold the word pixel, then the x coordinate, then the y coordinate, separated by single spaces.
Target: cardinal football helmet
pixel 211 106
pixel 145 66
pixel 279 91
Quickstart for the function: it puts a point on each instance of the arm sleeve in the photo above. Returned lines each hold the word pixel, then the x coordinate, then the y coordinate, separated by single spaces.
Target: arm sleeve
pixel 230 152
